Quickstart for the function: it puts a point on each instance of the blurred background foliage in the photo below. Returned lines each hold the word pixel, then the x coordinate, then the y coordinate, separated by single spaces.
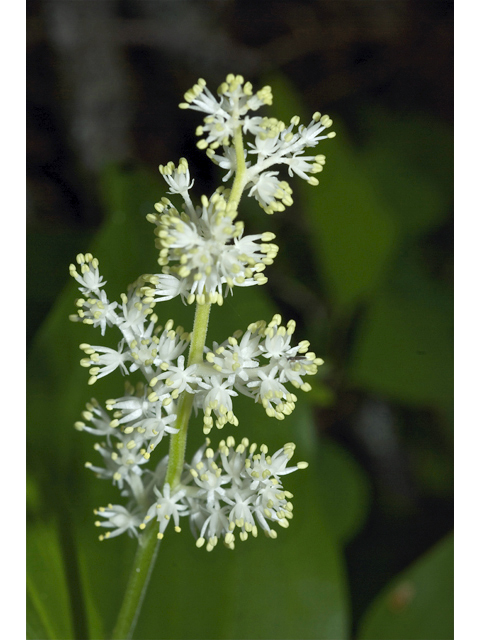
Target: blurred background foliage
pixel 365 268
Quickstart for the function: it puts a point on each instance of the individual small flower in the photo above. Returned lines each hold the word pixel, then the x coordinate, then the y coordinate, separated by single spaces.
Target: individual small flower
pixel 277 401
pixel 207 475
pixel 103 360
pixel 122 460
pixel 177 178
pixel 133 315
pixel 167 506
pixel 130 408
pixel 98 417
pixel 302 165
pixel 179 378
pixel 263 466
pixel 119 519
pixel 91 281
pixel 271 193
pixel 237 356
pixel 159 422
pixel 217 399
pixel 99 312
pixel 165 287
pixel 277 339
pixel 227 161
pixel 214 525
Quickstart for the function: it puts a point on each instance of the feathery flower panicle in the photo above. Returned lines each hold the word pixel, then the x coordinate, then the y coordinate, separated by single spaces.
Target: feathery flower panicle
pixel 204 253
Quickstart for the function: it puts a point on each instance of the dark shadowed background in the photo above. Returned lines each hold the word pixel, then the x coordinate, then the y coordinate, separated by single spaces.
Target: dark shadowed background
pixel 365 268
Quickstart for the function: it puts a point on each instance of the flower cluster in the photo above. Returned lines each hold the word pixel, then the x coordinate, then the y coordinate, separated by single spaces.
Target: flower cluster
pixel 203 253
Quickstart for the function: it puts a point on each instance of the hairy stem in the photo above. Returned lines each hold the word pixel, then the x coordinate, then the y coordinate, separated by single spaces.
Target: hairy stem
pixel 137 584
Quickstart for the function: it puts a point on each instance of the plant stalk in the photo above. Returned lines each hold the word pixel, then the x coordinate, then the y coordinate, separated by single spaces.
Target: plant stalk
pixel 137 584
pixel 149 543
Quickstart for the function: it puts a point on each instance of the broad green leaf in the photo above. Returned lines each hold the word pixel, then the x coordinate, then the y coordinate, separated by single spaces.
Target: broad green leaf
pixel 404 350
pixel 418 603
pixel 96 626
pixel 35 628
pixel 352 231
pixel 410 160
pixel 48 603
pixel 344 490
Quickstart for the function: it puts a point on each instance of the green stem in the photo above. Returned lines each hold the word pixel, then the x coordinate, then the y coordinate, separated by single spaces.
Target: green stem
pixel 137 584
pixel 148 544
pixel 239 182
pixel 178 442
pixel 148 547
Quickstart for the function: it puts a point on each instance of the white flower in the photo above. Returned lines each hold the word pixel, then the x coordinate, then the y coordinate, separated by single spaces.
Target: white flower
pixel 172 343
pixel 98 312
pixel 90 280
pixel 178 179
pixel 166 507
pixel 242 510
pixel 265 467
pixel 131 322
pixel 236 489
pixel 129 408
pixel 224 115
pixel 179 378
pixel 119 519
pixel 265 146
pixel 207 475
pixel 98 417
pixel 153 428
pixel 273 395
pixel 233 358
pixel 227 162
pixel 208 252
pixel 277 339
pixel 203 254
pixel 215 524
pixel 166 287
pixel 271 193
pixel 301 165
pixel 103 360
pixel 121 460
pixel 218 399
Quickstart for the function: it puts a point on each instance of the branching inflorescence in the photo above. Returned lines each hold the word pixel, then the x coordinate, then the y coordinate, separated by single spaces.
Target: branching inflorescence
pixel 204 253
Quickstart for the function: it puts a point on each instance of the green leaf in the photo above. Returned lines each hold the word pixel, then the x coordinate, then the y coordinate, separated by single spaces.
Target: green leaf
pixel 344 490
pixel 34 626
pixel 48 604
pixel 404 350
pixel 417 604
pixel 352 231
pixel 409 158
